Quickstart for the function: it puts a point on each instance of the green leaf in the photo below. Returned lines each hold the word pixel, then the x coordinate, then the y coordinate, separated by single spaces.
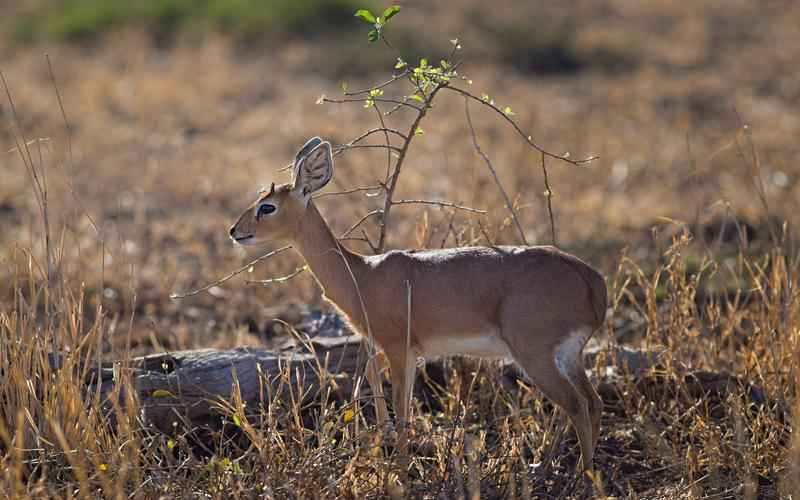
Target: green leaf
pixel 423 63
pixel 508 111
pixel 236 421
pixel 365 15
pixel 373 35
pixel 400 64
pixel 419 131
pixel 390 12
pixel 162 393
pixel 417 97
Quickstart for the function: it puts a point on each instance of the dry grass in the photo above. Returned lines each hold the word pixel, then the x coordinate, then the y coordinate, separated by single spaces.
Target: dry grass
pixel 169 144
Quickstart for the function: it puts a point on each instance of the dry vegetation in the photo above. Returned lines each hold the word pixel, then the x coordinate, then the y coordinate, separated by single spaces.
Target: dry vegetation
pixel 690 211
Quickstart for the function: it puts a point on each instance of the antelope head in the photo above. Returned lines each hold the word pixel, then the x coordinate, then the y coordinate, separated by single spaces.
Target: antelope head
pixel 278 213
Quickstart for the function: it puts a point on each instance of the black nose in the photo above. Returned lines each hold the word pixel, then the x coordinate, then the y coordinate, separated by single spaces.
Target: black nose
pixel 233 230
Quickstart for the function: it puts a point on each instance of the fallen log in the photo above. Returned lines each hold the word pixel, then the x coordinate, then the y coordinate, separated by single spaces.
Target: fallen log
pixel 188 386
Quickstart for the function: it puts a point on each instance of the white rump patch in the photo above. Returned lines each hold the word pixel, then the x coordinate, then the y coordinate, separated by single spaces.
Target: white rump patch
pixel 569 352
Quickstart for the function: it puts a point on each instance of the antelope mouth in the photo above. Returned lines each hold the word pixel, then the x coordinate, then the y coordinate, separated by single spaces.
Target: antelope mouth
pixel 243 240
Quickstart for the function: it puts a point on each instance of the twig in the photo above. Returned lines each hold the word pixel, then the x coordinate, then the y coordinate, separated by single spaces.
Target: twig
pixel 526 137
pixel 68 129
pixel 345 147
pixel 548 194
pixel 23 149
pixel 369 241
pixel 408 321
pixel 282 279
pixel 36 175
pixel 375 99
pixel 220 281
pixel 397 106
pixel 451 439
pixel 391 183
pixel 395 78
pixel 359 222
pixel 755 164
pixel 386 139
pixel 382 128
pixel 489 165
pixel 63 112
pixel 373 376
pixel 353 238
pixel 350 191
pixel 439 203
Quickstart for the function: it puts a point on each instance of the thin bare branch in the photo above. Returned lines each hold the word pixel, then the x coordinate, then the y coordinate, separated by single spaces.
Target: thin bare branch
pixel 282 279
pixel 345 147
pixel 369 241
pixel 22 144
pixel 67 128
pixel 754 164
pixel 68 132
pixel 28 143
pixel 359 222
pixel 393 79
pixel 375 99
pixel 391 182
pixel 36 175
pixel 359 189
pixel 441 204
pixel 378 130
pixel 386 139
pixel 397 107
pixel 548 193
pixel 526 137
pixel 220 281
pixel 354 143
pixel 489 165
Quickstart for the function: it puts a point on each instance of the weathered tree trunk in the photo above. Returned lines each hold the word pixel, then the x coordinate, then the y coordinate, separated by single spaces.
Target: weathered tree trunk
pixel 187 386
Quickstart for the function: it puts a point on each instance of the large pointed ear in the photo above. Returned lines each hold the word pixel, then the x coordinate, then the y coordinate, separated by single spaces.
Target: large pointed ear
pixel 307 147
pixel 313 167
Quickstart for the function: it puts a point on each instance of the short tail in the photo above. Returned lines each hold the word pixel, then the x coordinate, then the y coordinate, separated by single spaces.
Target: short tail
pixel 596 284
pixel 598 294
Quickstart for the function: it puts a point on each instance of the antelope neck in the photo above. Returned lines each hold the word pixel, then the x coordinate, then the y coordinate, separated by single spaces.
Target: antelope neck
pixel 326 258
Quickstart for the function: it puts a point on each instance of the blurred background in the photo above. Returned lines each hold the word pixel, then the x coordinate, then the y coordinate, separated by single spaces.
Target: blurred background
pixel 179 111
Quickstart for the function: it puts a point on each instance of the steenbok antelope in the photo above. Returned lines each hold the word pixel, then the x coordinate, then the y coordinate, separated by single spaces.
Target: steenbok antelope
pixel 536 305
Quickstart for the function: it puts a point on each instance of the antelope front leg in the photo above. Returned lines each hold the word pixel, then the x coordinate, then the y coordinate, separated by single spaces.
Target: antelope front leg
pixel 403 365
pixel 374 379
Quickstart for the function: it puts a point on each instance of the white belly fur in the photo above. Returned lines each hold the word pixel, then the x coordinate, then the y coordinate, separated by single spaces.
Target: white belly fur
pixel 484 345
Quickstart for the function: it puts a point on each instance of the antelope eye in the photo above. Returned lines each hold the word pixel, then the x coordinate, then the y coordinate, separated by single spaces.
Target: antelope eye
pixel 265 209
